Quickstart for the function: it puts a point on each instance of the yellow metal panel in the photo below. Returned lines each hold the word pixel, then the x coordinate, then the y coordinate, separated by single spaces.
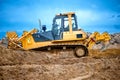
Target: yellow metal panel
pixel 70 23
pixel 29 43
pixel 27 33
pixel 68 36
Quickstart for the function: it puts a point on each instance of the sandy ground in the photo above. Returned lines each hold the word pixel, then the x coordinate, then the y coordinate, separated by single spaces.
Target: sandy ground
pixel 59 65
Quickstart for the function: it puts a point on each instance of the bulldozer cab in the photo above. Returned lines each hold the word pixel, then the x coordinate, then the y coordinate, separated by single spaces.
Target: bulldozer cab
pixel 64 27
pixel 64 23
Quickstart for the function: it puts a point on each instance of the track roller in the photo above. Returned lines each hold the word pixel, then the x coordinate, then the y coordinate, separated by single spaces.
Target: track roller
pixel 49 48
pixel 81 51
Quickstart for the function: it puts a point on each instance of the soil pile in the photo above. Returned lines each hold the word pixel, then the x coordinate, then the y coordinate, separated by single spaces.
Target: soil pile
pixel 59 65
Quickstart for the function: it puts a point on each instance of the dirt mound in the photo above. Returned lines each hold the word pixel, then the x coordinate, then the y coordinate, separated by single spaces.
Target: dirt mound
pixel 59 65
pixel 115 38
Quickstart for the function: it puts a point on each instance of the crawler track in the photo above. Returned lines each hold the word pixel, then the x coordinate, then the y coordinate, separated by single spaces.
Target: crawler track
pixel 75 47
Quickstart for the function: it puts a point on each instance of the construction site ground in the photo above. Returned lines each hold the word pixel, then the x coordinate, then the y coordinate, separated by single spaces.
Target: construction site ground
pixel 59 65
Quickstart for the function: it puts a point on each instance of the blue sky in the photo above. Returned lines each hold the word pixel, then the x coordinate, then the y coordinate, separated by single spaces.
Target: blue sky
pixel 92 15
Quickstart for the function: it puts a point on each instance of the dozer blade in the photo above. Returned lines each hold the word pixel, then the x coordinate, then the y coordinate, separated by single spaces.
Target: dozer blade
pixel 96 38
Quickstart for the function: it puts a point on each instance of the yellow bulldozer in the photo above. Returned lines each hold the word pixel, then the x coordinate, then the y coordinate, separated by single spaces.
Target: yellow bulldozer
pixel 63 35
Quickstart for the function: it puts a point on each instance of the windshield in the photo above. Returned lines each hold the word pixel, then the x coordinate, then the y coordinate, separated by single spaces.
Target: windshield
pixel 56 27
pixel 66 24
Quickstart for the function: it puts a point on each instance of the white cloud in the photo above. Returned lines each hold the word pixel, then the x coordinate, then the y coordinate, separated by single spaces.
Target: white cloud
pixel 90 17
pixel 86 16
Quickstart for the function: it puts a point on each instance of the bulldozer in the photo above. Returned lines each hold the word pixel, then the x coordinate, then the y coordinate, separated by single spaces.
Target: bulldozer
pixel 64 34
